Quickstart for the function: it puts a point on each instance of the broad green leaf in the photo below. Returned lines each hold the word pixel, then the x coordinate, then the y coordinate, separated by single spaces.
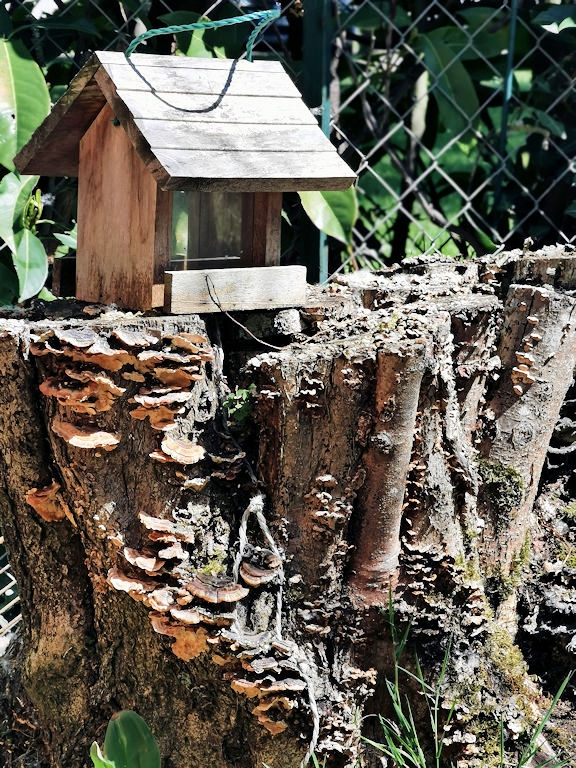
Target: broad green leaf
pixel 98 758
pixel 8 285
pixel 451 84
pixel 557 18
pixel 46 295
pixel 24 99
pixel 79 25
pixel 67 238
pixel 130 743
pixel 555 127
pixel 15 191
pixel 376 14
pixel 31 264
pixel 334 213
pixel 189 43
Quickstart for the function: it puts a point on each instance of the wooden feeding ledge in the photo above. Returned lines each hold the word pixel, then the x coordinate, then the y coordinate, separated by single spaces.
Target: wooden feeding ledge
pixel 181 166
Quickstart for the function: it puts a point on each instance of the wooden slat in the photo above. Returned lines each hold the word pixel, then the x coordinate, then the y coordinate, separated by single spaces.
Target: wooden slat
pixel 213 290
pixel 267 220
pixel 140 60
pixel 178 134
pixel 253 110
pixel 116 216
pixel 232 80
pixel 53 148
pixel 251 171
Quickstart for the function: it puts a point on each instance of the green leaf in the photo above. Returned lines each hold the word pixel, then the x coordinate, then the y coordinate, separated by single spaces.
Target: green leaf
pixel 189 43
pixel 334 213
pixel 24 99
pixel 98 759
pixel 15 192
pixel 377 14
pixel 129 742
pixel 557 18
pixel 31 264
pixel 453 88
pixel 69 239
pixel 46 295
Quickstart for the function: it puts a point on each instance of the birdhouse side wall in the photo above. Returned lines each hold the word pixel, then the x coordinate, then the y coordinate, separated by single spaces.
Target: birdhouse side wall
pixel 118 212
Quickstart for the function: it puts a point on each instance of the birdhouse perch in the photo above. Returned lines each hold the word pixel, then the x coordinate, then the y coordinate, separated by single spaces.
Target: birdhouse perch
pixel 181 166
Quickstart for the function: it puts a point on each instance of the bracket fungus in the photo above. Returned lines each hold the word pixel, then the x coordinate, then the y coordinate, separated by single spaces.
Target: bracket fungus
pixel 96 392
pixel 182 450
pixel 166 530
pixel 48 503
pixel 85 437
pixel 215 589
pixel 135 587
pixel 254 576
pixel 188 643
pixel 146 561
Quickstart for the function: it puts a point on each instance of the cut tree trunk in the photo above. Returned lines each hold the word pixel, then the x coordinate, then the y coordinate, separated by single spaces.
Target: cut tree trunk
pixel 228 572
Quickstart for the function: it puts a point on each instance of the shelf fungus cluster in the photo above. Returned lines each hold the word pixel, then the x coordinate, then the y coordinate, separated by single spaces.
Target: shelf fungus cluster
pixel 198 610
pixel 89 370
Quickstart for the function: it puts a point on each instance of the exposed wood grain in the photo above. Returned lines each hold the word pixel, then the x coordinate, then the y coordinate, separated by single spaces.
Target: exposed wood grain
pixel 235 114
pixel 115 258
pixel 53 147
pixel 266 228
pixel 162 237
pixel 202 80
pixel 140 60
pixel 250 171
pixel 176 134
pixel 213 290
pixel 211 108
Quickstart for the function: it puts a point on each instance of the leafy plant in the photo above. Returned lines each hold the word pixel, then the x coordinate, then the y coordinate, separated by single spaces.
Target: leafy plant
pixel 334 213
pixel 239 405
pixel 128 743
pixel 404 738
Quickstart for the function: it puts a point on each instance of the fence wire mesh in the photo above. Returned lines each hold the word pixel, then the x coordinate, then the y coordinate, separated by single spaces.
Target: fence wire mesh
pixel 458 116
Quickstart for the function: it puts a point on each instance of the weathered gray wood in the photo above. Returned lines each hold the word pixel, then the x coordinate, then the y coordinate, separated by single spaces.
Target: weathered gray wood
pixel 234 81
pixel 250 171
pixel 140 60
pixel 53 148
pixel 208 108
pixel 213 290
pixel 236 110
pixel 175 134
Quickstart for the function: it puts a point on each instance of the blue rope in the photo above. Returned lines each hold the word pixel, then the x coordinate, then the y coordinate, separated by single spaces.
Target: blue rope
pixel 263 17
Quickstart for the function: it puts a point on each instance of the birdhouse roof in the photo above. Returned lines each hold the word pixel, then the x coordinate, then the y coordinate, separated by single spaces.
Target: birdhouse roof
pixel 196 123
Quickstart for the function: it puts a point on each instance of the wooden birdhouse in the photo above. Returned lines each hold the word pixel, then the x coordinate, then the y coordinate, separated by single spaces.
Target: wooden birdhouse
pixel 181 166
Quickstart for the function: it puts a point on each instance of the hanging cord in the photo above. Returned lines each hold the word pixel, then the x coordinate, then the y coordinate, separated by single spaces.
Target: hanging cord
pixel 263 17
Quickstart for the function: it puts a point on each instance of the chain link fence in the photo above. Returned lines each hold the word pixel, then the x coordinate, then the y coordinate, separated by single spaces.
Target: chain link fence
pixel 459 116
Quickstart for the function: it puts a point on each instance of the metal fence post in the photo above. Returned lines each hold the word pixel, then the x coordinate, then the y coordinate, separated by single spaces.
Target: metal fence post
pixel 316 54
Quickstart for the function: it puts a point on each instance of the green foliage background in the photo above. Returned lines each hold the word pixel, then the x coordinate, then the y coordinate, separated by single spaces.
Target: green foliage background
pixel 459 117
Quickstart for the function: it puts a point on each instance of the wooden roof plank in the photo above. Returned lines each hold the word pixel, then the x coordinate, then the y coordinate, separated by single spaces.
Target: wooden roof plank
pixel 189 62
pixel 231 81
pixel 251 171
pixel 232 136
pixel 210 109
pixel 54 145
pixel 190 140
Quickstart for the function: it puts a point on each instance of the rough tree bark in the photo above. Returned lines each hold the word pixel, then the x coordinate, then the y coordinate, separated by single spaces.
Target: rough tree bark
pixel 229 578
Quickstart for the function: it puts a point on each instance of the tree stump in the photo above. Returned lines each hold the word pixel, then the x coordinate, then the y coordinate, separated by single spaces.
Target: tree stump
pixel 214 533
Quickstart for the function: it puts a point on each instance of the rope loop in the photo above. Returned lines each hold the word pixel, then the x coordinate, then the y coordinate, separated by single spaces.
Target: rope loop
pixel 262 17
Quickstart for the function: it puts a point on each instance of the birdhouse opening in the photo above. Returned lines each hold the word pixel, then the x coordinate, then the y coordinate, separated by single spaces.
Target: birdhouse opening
pixel 210 230
pixel 222 229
